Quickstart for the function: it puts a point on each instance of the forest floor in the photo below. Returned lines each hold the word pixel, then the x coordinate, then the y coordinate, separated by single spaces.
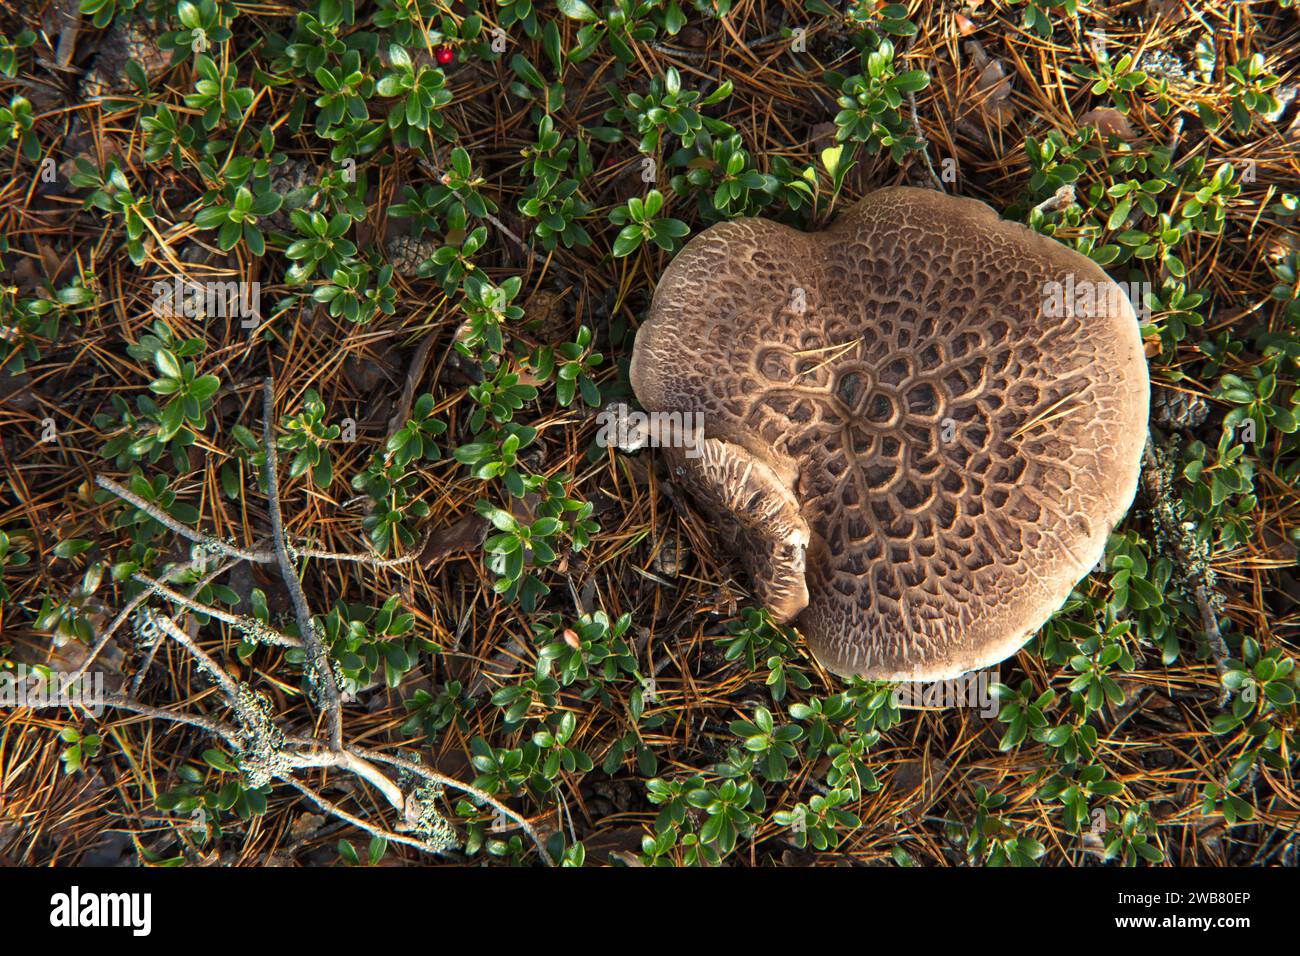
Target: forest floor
pixel 550 627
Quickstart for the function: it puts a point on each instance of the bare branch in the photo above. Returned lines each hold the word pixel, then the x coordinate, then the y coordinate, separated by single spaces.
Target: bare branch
pixel 219 674
pixel 251 626
pixel 207 541
pixel 320 661
pixel 337 811
pixel 433 776
pixel 255 555
pixel 214 727
pixel 130 608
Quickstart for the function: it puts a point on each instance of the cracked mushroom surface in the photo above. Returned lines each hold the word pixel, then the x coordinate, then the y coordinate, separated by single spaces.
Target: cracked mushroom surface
pixel 920 425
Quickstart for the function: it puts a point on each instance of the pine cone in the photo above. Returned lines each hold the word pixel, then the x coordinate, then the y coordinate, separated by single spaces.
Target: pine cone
pixel 293 175
pixel 1183 411
pixel 134 39
pixel 406 253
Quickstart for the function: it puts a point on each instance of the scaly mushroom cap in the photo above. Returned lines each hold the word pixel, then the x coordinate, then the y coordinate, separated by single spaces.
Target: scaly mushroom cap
pixel 949 408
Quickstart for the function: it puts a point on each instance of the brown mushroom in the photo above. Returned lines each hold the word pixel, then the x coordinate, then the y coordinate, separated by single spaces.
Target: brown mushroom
pixel 920 425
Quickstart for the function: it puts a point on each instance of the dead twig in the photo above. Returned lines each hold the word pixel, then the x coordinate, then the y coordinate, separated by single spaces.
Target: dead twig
pixel 323 676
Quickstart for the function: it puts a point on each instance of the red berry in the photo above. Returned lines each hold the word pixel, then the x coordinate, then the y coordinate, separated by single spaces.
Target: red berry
pixel 445 54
